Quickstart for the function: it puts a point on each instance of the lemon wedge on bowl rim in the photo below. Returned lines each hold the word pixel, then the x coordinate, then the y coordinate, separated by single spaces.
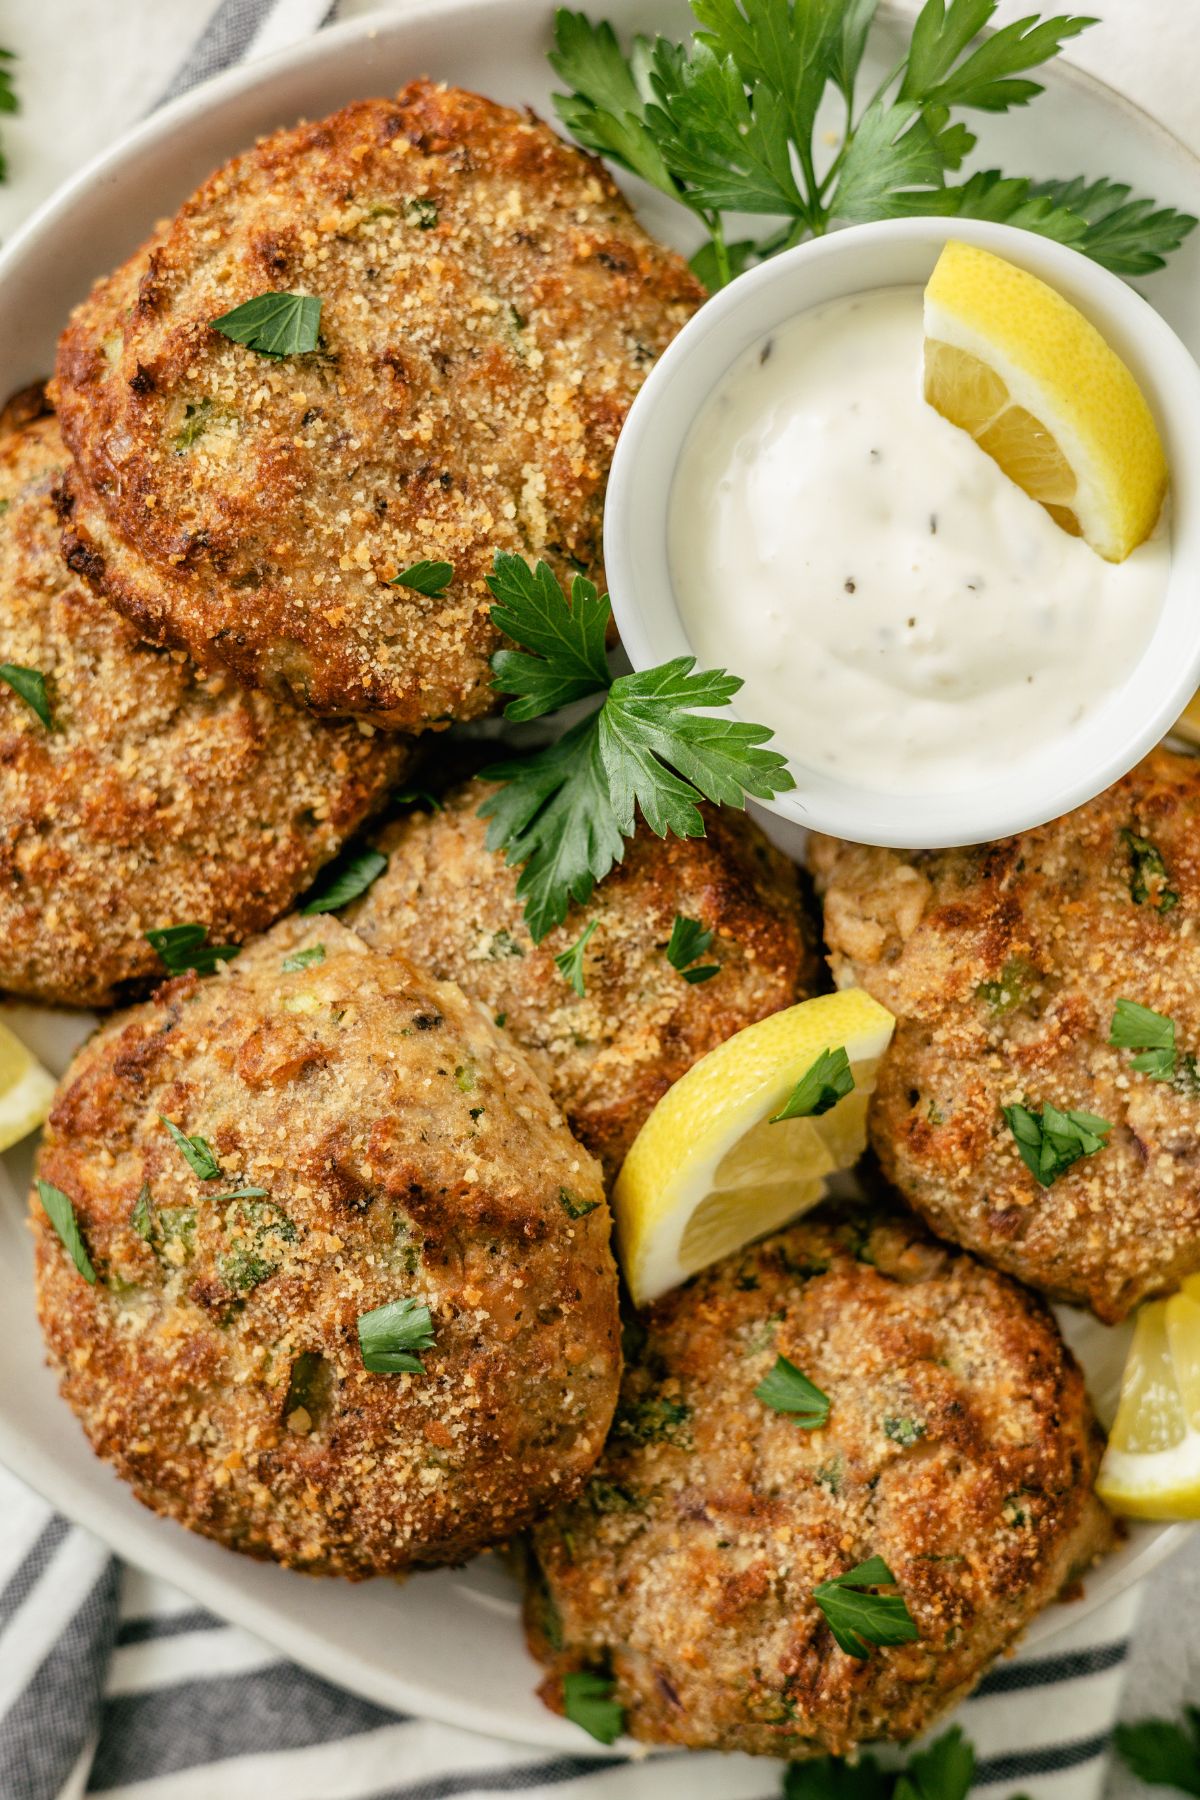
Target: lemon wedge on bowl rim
pixel 1012 362
pixel 26 1090
pixel 709 1171
pixel 1151 1467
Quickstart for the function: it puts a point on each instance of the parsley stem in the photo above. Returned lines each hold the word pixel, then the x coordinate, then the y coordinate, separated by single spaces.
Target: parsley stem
pixel 717 232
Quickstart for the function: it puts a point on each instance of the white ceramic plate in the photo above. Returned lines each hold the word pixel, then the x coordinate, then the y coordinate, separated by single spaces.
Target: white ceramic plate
pixel 445 1644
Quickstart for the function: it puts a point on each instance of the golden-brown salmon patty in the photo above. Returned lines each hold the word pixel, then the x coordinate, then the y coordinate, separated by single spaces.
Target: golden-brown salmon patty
pixel 159 796
pixel 489 308
pixel 959 1447
pixel 362 1137
pixel 1004 964
pixel 608 1055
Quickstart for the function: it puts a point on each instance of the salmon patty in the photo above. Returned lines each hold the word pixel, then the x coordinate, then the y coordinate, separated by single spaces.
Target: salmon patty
pixel 158 796
pixel 489 308
pixel 1004 964
pixel 356 1137
pixel 959 1448
pixel 608 1055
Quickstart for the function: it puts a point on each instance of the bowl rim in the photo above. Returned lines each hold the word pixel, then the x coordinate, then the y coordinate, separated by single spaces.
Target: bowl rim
pixel 1141 707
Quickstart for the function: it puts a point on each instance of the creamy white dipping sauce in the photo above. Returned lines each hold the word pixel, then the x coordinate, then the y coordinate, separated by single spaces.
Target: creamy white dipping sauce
pixel 903 616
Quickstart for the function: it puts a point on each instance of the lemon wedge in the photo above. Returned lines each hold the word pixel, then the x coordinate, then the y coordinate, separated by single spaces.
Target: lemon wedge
pixel 1152 1465
pixel 26 1090
pixel 709 1171
pixel 1021 369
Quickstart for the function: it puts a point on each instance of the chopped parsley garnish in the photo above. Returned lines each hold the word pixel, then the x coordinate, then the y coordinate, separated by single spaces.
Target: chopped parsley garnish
pixel 1148 874
pixel 142 1216
pixel 588 1702
pixel 689 941
pixel 570 963
pixel 787 1390
pixel 944 1770
pixel 904 1431
pixel 653 1421
pixel 575 1209
pixel 196 1152
pixel 197 417
pixel 859 1618
pixel 61 1214
pixel 429 578
pixel 422 212
pixel 274 324
pixel 346 878
pixel 304 959
pixel 652 745
pixel 389 1336
pixel 728 124
pixel 1163 1752
pixel 1051 1141
pixel 419 797
pixel 30 685
pixel 1011 990
pixel 242 1193
pixel 255 1231
pixel 829 1080
pixel 184 947
pixel 1150 1033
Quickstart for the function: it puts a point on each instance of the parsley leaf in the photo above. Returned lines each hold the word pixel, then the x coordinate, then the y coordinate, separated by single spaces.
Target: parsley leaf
pixel 390 1334
pixel 346 878
pixel 183 947
pixel 727 124
pixel 196 1152
pixel 943 1771
pixel 303 959
pixel 1051 1142
pixel 1140 1028
pixel 606 111
pixel 554 814
pixel 274 324
pixel 858 1618
pixel 570 962
pixel 787 1390
pixel 833 1778
pixel 588 1702
pixel 1131 237
pixel 689 941
pixel 8 99
pixel 987 77
pixel 565 811
pixel 568 660
pixel 30 684
pixel 430 578
pixel 829 1080
pixel 61 1214
pixel 1148 873
pixel 1163 1752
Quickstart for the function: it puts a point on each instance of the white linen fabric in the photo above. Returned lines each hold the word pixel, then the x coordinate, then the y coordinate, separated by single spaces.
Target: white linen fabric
pixel 112 1683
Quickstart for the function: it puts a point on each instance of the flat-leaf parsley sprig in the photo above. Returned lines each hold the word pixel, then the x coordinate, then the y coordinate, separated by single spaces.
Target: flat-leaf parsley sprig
pixel 728 124
pixel 652 746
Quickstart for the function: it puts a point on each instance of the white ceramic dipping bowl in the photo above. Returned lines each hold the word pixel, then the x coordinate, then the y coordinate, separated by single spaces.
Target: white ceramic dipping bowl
pixel 902 252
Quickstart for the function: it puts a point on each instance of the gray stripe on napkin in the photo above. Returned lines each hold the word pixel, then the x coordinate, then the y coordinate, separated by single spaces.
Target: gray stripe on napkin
pixel 166 1729
pixel 226 38
pixel 24 1579
pixel 51 1717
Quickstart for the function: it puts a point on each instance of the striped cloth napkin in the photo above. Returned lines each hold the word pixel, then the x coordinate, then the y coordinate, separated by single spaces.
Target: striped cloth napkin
pixel 112 1683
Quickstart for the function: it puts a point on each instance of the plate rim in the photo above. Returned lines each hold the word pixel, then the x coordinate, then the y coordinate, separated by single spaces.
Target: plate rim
pixel 128 1538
